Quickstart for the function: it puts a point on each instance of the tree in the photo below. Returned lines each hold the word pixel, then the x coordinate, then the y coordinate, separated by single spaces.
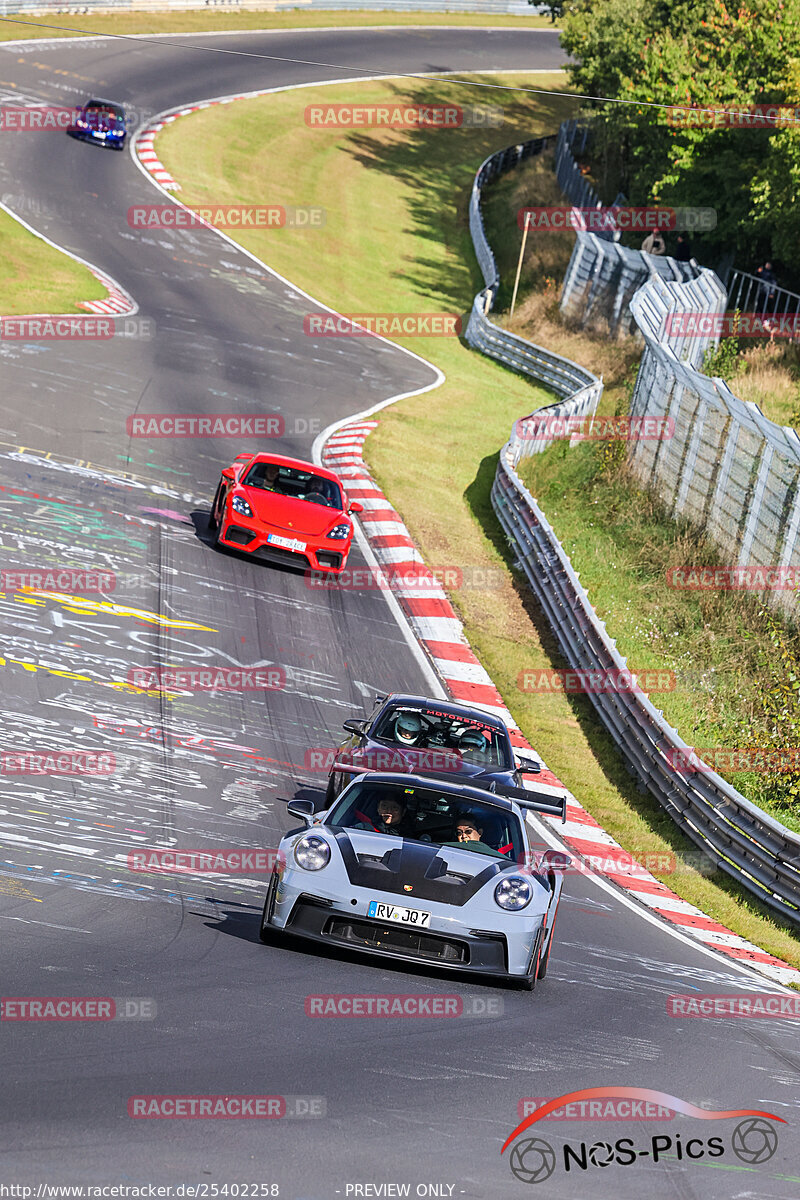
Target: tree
pixel 699 56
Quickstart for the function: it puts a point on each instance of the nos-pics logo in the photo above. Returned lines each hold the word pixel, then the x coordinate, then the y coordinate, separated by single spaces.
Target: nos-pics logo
pixel 532 1160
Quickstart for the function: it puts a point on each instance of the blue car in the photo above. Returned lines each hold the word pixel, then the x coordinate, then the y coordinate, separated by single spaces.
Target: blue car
pixel 100 121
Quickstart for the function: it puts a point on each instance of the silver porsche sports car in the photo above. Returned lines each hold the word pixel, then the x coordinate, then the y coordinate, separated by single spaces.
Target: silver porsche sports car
pixel 425 870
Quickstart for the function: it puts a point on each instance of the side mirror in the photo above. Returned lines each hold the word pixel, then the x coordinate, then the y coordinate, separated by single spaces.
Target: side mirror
pixel 302 809
pixel 528 765
pixel 354 726
pixel 355 506
pixel 554 860
pixel 228 473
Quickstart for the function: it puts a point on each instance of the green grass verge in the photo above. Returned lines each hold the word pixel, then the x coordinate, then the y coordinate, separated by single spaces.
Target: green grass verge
pixel 397 239
pixel 37 278
pixel 78 24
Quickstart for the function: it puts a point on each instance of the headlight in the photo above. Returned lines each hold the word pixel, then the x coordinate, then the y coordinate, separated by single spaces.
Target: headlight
pixel 513 893
pixel 312 853
pixel 241 506
pixel 340 531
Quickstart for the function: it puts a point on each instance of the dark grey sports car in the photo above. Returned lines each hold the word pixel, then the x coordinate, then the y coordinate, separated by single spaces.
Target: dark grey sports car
pixel 428 737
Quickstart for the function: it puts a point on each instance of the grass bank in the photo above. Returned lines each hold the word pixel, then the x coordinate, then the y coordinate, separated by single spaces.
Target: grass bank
pixel 396 239
pixel 37 278
pixel 14 28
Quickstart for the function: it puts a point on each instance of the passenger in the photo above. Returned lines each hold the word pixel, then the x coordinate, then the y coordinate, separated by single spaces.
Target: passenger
pixel 271 472
pixel 408 730
pixel 392 818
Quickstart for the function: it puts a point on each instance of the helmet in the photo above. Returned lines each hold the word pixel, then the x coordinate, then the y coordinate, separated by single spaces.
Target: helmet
pixel 407 728
pixel 472 739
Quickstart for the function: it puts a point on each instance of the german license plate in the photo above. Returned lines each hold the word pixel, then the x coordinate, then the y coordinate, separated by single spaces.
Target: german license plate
pixel 286 543
pixel 402 916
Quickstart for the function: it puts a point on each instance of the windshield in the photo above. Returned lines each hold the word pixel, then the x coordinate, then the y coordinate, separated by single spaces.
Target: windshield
pixel 430 815
pixel 97 108
pixel 289 481
pixel 423 728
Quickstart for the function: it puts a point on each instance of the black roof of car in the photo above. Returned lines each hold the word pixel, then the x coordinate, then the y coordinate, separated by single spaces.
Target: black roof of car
pixel 459 791
pixel 451 707
pixel 96 102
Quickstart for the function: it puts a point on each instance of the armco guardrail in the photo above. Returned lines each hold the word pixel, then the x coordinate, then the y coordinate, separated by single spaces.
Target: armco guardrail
pixel 579 388
pixel 737 836
pixel 602 275
pixel 726 467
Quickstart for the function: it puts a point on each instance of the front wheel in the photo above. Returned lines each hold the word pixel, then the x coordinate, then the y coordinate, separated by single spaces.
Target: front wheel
pixel 545 961
pixel 266 932
pixel 212 516
pixel 528 982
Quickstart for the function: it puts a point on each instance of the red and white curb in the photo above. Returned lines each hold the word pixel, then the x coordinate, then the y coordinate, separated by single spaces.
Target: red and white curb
pixel 118 303
pixel 144 145
pixel 438 628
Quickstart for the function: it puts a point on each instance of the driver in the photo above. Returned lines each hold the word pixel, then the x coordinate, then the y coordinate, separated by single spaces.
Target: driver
pixel 316 487
pixel 473 743
pixel 469 834
pixel 408 730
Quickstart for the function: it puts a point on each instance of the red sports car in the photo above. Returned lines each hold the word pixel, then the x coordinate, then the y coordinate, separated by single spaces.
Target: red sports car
pixel 284 510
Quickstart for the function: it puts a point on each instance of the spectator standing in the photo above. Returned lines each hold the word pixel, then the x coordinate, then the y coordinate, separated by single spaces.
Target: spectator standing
pixel 683 252
pixel 654 243
pixel 768 282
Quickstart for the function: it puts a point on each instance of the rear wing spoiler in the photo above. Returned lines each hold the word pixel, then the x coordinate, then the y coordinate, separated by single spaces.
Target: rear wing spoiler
pixel 554 806
pixel 541 802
